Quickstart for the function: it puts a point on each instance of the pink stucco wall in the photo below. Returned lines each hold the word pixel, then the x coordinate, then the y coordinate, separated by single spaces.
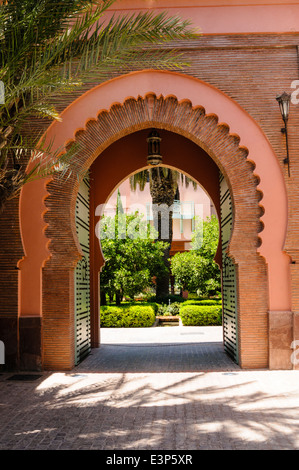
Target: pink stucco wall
pixel 223 16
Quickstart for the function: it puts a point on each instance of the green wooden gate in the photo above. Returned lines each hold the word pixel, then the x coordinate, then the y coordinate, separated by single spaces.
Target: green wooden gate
pixel 229 285
pixel 82 276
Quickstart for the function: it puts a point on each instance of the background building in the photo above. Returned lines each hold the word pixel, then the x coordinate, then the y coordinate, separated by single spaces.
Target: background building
pixel 190 205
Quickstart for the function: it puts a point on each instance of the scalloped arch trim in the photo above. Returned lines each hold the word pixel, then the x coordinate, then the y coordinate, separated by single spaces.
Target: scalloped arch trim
pixel 191 122
pixel 185 105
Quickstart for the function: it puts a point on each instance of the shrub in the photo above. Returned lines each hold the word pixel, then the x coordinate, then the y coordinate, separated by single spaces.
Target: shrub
pixel 201 315
pixel 173 309
pixel 154 306
pixel 162 309
pixel 140 316
pixel 169 310
pixel 193 296
pixel 212 286
pixel 202 302
pixel 133 316
pixel 112 317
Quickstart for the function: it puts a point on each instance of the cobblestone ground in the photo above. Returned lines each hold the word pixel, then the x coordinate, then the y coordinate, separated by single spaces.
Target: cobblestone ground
pixel 156 389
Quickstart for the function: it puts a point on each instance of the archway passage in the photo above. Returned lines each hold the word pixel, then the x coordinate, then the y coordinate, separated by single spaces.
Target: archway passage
pixel 116 163
pixel 215 149
pixel 125 157
pixel 255 273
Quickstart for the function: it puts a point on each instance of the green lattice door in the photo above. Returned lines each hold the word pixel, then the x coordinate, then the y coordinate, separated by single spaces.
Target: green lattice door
pixel 82 276
pixel 229 285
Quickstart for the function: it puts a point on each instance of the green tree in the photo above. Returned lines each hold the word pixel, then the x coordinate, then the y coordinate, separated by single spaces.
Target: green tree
pixel 163 183
pixel 205 242
pixel 132 257
pixel 48 47
pixel 205 237
pixel 196 270
pixel 187 269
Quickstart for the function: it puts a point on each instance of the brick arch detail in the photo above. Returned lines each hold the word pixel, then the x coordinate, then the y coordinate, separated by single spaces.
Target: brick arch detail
pixel 224 148
pixel 180 117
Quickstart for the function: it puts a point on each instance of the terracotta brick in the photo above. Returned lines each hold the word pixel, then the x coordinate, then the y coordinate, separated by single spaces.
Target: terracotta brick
pixel 170 114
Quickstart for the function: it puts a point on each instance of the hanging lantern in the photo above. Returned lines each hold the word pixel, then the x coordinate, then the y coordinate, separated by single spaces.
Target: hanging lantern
pixel 154 157
pixel 284 105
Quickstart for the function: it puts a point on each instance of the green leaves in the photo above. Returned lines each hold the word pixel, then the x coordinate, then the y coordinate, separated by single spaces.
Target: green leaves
pixel 52 46
pixel 206 237
pixel 195 315
pixel 127 316
pixel 188 270
pixel 131 260
pixel 44 41
pixel 196 270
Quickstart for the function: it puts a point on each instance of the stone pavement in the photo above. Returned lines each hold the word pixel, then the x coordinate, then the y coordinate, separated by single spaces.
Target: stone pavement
pixel 153 389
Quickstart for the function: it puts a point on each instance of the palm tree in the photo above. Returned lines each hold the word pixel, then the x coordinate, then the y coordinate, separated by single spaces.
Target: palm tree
pixel 163 183
pixel 52 46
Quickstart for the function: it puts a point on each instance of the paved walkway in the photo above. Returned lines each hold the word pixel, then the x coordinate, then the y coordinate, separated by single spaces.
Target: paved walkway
pixel 153 389
pixel 162 349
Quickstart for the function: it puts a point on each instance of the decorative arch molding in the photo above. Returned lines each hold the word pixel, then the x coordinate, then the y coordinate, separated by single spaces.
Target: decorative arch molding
pixel 179 117
pixel 204 130
pixel 104 99
pixel 234 141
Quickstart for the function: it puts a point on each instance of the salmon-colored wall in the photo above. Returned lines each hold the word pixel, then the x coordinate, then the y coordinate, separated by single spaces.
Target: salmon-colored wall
pixel 223 16
pixel 35 246
pixel 215 102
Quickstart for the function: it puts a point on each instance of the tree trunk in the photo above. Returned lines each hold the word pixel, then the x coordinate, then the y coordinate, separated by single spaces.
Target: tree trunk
pixel 103 297
pixel 162 281
pixel 118 298
pixel 162 189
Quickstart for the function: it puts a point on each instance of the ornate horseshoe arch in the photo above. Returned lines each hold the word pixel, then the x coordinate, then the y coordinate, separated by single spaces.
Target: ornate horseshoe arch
pixel 231 158
pixel 165 113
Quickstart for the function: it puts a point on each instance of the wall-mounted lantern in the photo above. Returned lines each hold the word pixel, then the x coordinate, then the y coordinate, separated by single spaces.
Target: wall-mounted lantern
pixel 154 156
pixel 284 106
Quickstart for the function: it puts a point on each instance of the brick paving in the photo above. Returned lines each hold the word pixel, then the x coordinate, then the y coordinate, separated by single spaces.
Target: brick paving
pixel 153 389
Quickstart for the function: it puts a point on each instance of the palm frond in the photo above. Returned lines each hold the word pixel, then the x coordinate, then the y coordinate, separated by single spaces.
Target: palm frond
pixel 139 180
pixel 52 46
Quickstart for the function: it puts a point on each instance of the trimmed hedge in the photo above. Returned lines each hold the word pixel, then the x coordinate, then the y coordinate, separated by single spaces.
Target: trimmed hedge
pixel 153 305
pixel 139 303
pixel 201 315
pixel 135 316
pixel 202 302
